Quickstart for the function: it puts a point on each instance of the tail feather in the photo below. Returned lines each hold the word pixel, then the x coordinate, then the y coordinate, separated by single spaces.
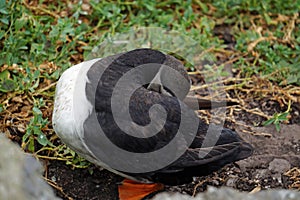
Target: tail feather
pixel 206 104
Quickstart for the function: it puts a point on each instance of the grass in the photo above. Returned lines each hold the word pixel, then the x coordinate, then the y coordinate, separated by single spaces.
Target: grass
pixel 41 39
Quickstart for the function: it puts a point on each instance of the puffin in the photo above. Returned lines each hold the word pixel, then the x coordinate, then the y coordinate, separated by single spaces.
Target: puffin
pixel 131 114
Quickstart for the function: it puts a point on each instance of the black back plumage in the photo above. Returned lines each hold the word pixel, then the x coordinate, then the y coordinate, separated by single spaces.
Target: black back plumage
pixel 229 147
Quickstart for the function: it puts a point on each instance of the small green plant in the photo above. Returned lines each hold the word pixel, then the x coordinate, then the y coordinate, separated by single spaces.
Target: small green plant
pixel 30 80
pixel 278 118
pixel 214 73
pixel 76 160
pixel 71 157
pixel 34 129
pixel 6 83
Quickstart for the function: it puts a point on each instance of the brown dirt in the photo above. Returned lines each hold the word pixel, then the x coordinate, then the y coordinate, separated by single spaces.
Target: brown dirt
pixel 81 183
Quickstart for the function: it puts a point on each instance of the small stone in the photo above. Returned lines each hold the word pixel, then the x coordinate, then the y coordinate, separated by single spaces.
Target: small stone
pixel 53 178
pixel 85 7
pixel 279 165
pixel 215 182
pixel 63 13
pixel 260 173
pixel 231 182
pixel 17 99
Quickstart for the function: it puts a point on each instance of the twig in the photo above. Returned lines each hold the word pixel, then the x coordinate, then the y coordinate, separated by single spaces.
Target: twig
pixel 41 10
pixel 256 189
pixel 38 92
pixel 218 82
pixel 196 186
pixel 60 189
pixel 253 44
pixel 255 111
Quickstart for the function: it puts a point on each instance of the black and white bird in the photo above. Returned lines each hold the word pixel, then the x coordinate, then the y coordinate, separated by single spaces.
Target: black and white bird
pixel 84 119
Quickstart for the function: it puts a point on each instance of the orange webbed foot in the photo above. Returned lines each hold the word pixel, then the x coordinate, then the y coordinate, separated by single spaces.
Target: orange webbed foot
pixel 133 190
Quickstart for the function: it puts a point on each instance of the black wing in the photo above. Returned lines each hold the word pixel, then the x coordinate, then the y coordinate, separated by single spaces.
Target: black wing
pixel 196 159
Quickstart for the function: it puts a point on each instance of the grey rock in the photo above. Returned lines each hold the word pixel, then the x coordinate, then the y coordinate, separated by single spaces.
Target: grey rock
pixel 225 193
pixel 20 175
pixel 279 165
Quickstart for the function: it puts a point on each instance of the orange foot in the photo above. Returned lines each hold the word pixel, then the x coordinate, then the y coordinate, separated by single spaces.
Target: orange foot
pixel 132 190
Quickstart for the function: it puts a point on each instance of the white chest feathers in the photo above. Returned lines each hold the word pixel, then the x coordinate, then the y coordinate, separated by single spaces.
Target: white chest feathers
pixel 70 95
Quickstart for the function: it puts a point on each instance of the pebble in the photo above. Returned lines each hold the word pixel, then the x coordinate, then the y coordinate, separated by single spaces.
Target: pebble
pixel 279 165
